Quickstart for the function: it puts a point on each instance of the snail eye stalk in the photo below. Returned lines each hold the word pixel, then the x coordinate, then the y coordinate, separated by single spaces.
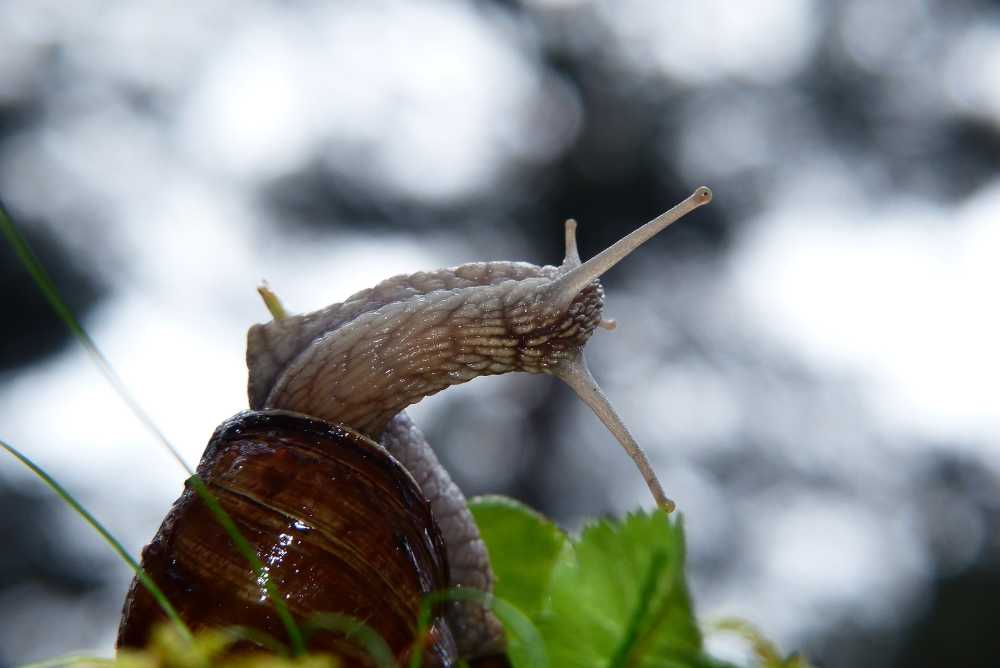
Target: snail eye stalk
pixel 575 373
pixel 578 277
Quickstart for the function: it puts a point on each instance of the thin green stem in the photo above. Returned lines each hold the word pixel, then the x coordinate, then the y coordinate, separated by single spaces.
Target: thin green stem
pixel 765 650
pixel 246 549
pixel 146 581
pixel 356 631
pixel 51 294
pixel 509 615
pixel 629 650
pixel 661 614
pixel 257 637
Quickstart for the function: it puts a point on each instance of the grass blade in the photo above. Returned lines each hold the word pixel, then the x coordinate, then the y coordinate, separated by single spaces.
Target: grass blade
pixel 51 293
pixel 146 581
pixel 246 549
pixel 355 630
pixel 257 637
pixel 512 619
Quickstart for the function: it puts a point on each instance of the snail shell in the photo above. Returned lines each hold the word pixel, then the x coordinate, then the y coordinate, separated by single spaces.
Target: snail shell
pixel 340 525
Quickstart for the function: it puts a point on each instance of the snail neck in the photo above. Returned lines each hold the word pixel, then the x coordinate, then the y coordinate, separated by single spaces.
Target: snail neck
pixel 370 368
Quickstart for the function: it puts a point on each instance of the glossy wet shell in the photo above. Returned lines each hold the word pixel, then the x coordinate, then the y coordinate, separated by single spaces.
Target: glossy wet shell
pixel 339 524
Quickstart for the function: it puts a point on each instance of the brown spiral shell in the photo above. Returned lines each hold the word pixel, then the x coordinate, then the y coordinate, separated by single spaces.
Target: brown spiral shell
pixel 340 525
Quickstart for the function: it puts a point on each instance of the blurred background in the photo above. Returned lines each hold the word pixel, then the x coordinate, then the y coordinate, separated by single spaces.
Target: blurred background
pixel 811 361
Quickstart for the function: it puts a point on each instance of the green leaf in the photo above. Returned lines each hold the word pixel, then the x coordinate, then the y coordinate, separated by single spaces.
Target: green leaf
pixel 616 597
pixel 525 647
pixel 524 549
pixel 623 601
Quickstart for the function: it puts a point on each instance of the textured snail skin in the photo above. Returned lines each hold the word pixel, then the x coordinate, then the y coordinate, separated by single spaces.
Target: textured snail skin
pixel 476 630
pixel 363 361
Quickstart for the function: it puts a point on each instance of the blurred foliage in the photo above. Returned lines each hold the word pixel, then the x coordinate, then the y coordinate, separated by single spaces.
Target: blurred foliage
pixel 168 650
pixel 765 651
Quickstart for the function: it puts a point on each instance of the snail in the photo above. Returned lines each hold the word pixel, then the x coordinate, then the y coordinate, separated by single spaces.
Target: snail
pixel 333 484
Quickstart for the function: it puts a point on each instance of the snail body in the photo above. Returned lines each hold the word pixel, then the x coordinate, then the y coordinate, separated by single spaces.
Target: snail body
pixel 352 368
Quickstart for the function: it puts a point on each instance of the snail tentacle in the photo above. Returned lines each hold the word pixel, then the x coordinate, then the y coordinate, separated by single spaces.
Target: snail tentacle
pixel 272 301
pixel 567 286
pixel 577 375
pixel 572 258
